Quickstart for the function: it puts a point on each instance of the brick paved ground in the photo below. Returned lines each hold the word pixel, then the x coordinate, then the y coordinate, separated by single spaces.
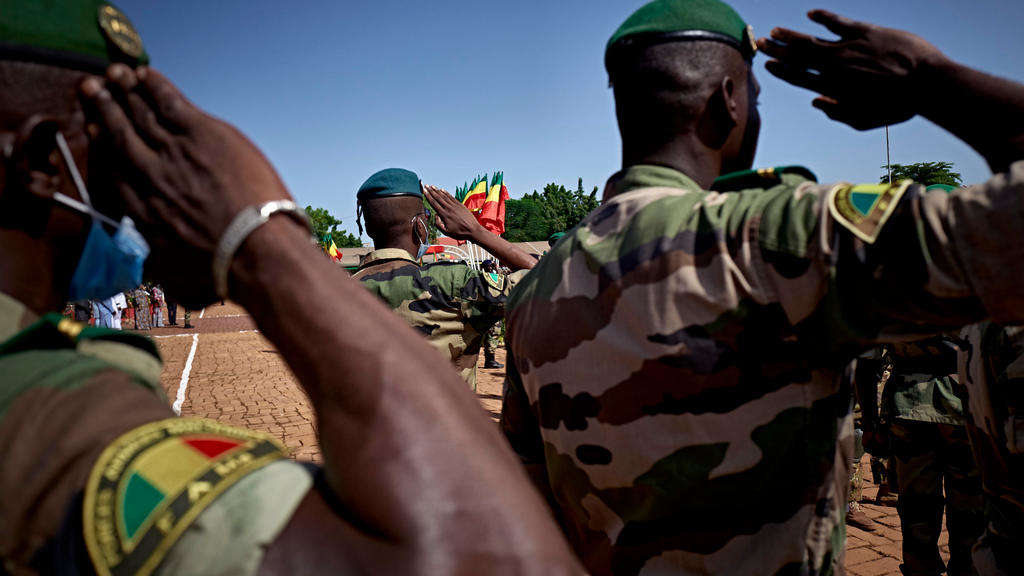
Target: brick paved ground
pixel 239 378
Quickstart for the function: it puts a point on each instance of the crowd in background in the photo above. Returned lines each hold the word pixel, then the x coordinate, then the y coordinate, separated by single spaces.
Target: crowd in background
pixel 143 308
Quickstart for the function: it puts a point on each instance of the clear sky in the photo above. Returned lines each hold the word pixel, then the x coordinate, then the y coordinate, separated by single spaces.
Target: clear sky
pixel 334 90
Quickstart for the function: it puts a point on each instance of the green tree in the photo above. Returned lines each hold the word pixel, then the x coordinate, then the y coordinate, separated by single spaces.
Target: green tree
pixel 538 215
pixel 926 173
pixel 325 223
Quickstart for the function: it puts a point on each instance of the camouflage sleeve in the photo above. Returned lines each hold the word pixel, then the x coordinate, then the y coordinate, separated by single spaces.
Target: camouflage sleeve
pixel 485 294
pixel 876 263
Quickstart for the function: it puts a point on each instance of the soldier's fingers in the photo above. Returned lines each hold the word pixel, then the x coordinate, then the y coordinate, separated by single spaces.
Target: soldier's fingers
pixel 123 81
pixel 797 76
pixel 134 206
pixel 174 111
pixel 836 111
pixel 840 25
pixel 114 123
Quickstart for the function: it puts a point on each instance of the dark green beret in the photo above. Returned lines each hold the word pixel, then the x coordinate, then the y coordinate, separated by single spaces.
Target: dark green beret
pixel 84 35
pixel 554 238
pixel 390 182
pixel 944 187
pixel 760 178
pixel 682 20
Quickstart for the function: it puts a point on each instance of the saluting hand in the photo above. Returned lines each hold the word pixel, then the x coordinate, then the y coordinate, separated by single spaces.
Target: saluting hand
pixel 453 218
pixel 182 173
pixel 870 77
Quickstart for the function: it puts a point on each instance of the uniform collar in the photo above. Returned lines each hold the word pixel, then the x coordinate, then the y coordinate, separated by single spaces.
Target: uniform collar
pixel 647 176
pixel 14 317
pixel 386 254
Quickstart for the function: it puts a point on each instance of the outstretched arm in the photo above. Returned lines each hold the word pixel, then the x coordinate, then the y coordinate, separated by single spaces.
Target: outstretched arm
pixel 874 76
pixel 419 479
pixel 455 220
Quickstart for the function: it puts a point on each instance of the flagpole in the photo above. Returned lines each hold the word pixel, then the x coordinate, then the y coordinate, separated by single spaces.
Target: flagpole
pixel 888 163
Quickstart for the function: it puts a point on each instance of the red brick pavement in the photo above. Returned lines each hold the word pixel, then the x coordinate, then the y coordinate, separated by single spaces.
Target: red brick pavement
pixel 238 377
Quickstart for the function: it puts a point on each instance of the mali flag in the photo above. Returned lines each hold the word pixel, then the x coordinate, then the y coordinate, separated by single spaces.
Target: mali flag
pixel 492 213
pixel 333 252
pixel 153 479
pixel 474 195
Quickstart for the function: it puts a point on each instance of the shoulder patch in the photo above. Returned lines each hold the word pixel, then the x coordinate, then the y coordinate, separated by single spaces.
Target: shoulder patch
pixel 864 208
pixel 150 484
pixel 495 280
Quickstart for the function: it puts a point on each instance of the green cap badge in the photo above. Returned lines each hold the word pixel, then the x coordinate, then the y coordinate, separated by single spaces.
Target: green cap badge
pixel 683 20
pixel 84 35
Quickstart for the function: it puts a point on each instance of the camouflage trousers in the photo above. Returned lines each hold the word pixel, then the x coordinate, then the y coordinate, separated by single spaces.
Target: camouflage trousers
pixel 856 474
pixel 492 339
pixel 928 457
pixel 188 317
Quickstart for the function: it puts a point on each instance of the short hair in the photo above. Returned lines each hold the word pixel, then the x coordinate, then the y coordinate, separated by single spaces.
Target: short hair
pixel 31 88
pixel 389 216
pixel 661 89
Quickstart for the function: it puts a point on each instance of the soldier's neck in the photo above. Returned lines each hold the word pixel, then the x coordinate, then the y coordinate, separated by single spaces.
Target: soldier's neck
pixel 405 243
pixel 29 272
pixel 701 164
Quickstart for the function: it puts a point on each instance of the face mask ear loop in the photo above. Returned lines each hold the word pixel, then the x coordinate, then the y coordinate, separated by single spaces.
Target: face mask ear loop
pixel 86 205
pixel 69 161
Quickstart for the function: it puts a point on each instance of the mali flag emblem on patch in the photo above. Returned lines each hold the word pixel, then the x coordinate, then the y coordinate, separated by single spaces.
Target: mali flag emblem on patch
pixel 864 208
pixel 148 486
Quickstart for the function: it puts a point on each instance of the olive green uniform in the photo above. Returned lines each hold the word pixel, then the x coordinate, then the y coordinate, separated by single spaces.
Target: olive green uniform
pixel 76 412
pixel 451 304
pixel 932 457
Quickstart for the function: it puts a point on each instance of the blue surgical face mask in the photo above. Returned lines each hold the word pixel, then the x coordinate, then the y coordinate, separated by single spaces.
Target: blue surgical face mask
pixel 109 264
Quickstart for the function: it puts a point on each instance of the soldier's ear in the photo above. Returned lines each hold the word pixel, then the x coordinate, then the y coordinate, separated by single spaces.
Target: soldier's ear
pixel 31 166
pixel 721 114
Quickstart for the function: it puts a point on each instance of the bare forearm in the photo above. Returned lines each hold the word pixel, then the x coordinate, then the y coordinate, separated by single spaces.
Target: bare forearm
pixel 390 409
pixel 985 111
pixel 510 255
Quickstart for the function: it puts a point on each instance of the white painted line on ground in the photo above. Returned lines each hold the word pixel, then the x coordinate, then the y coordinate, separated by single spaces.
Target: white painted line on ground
pixel 196 333
pixel 201 313
pixel 228 316
pixel 183 384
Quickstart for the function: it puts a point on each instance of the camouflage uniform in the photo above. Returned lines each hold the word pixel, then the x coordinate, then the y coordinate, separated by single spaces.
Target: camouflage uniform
pixel 493 339
pixel 932 455
pixel 448 302
pixel 77 422
pixel 678 354
pixel 992 371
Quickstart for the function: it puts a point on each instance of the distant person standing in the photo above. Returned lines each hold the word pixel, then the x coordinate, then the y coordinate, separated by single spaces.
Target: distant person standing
pixel 158 303
pixel 172 310
pixel 142 312
pixel 104 310
pixel 120 305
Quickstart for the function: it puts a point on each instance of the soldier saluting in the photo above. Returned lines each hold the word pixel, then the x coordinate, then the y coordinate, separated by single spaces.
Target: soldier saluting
pixel 450 303
pixel 98 475
pixel 678 352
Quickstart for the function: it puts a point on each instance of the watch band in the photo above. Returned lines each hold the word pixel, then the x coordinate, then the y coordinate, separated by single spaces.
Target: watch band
pixel 244 223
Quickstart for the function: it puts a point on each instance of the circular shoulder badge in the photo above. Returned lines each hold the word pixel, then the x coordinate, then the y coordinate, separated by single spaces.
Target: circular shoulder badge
pixel 120 31
pixel 149 485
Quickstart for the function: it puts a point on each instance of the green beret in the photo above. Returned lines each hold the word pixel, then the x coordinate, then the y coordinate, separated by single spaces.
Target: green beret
pixel 683 20
pixel 760 178
pixel 554 238
pixel 390 182
pixel 944 187
pixel 84 35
